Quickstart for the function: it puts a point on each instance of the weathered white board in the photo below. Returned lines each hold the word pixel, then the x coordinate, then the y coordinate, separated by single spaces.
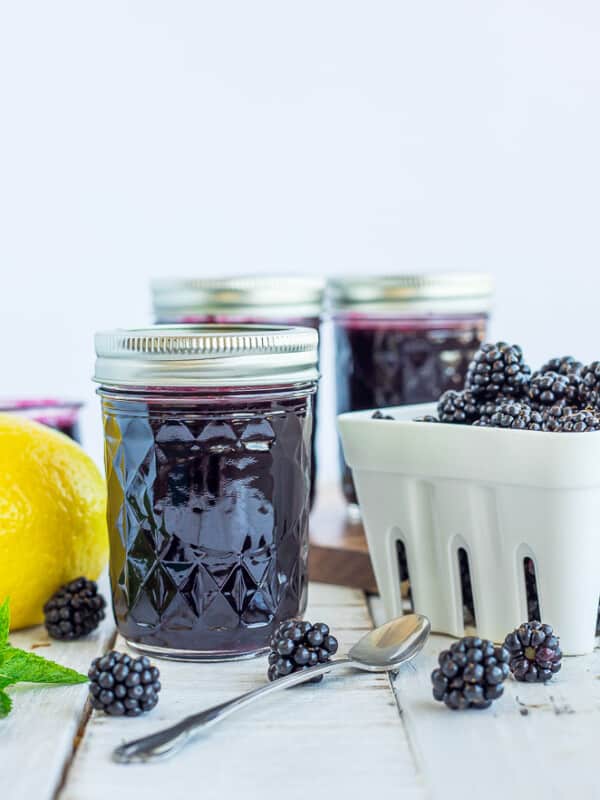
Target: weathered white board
pixel 536 740
pixel 342 737
pixel 351 736
pixel 38 736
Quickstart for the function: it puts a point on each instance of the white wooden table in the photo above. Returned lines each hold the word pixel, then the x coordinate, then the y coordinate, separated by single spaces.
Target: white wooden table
pixel 352 736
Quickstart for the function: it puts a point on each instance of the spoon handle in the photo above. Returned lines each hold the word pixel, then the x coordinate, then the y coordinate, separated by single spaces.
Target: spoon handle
pixel 170 740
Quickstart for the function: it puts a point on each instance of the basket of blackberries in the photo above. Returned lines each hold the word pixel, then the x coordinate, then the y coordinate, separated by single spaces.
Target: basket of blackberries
pixel 488 501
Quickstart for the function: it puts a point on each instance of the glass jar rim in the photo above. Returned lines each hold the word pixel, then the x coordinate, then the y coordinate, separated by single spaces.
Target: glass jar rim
pixel 271 295
pixel 206 355
pixel 427 293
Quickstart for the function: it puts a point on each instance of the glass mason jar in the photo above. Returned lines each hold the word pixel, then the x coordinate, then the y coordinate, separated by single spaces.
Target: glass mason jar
pixel 207 452
pixel 254 299
pixel 62 415
pixel 404 339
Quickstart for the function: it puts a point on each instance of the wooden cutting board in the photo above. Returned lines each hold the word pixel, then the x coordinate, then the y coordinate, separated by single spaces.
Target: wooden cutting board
pixel 338 548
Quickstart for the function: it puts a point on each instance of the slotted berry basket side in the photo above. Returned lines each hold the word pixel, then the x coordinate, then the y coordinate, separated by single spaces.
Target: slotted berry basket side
pixel 430 490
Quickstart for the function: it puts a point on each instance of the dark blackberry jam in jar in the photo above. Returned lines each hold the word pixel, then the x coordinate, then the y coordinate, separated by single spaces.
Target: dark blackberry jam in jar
pixel 207 452
pixel 244 299
pixel 404 339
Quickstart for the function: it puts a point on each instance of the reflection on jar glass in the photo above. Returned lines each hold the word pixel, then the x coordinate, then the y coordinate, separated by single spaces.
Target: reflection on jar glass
pixel 207 450
pixel 404 339
pixel 245 299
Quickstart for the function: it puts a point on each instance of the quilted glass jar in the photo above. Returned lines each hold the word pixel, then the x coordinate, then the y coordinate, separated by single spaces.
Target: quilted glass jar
pixel 207 453
pixel 404 339
pixel 254 299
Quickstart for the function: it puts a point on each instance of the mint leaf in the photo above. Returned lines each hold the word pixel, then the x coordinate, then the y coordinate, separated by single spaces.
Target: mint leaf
pixel 5 704
pixel 4 623
pixel 19 666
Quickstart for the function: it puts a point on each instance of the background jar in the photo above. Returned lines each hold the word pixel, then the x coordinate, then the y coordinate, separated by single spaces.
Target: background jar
pixel 207 452
pixel 404 339
pixel 258 299
pixel 60 414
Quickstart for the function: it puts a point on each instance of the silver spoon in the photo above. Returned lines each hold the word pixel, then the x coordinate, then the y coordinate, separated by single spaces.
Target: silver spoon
pixel 380 650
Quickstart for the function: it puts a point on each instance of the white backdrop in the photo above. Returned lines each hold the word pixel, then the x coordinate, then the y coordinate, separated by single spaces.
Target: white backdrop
pixel 145 139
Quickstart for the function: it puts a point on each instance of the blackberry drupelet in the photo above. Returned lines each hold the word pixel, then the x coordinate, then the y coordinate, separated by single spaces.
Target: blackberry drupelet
pixel 75 610
pixel 380 415
pixel 511 414
pixel 298 645
pixel 426 418
pixel 535 654
pixel 589 390
pixel 123 686
pixel 471 674
pixel 498 369
pixel 579 422
pixel 551 388
pixel 564 365
pixel 459 408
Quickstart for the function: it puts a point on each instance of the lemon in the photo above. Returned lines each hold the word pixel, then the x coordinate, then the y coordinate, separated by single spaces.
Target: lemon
pixel 52 516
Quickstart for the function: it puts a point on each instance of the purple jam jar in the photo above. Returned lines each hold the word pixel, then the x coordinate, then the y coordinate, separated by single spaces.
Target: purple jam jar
pixel 62 415
pixel 404 339
pixel 207 451
pixel 254 299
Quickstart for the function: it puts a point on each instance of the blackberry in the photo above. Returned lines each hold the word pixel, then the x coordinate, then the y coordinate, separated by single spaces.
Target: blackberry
pixel 565 365
pixel 552 388
pixel 460 408
pixel 487 409
pixel 380 415
pixel 579 422
pixel 498 369
pixel 554 416
pixel 426 418
pixel 298 645
pixel 535 653
pixel 75 610
pixel 471 674
pixel 511 414
pixel 123 686
pixel 589 390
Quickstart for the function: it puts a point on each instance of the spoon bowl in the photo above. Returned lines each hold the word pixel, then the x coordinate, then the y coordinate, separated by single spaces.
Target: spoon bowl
pixel 389 645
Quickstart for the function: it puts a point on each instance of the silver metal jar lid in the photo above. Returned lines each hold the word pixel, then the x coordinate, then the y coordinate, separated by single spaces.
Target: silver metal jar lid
pixel 443 292
pixel 206 355
pixel 262 295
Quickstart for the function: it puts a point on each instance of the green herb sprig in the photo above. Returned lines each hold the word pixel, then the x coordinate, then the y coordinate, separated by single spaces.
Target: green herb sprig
pixel 19 666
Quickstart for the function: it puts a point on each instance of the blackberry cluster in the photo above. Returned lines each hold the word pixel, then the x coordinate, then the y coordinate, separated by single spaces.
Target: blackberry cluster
pixel 75 610
pixel 510 414
pixel 551 388
pixel 500 392
pixel 589 391
pixel 298 645
pixel 565 365
pixel 555 416
pixel 471 674
pixel 498 369
pixel 579 422
pixel 123 686
pixel 535 654
pixel 460 408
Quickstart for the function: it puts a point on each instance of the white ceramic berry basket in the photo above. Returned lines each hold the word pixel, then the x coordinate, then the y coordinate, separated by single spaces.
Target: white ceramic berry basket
pixel 502 496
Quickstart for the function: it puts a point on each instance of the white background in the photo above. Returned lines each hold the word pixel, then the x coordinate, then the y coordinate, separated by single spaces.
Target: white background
pixel 146 139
